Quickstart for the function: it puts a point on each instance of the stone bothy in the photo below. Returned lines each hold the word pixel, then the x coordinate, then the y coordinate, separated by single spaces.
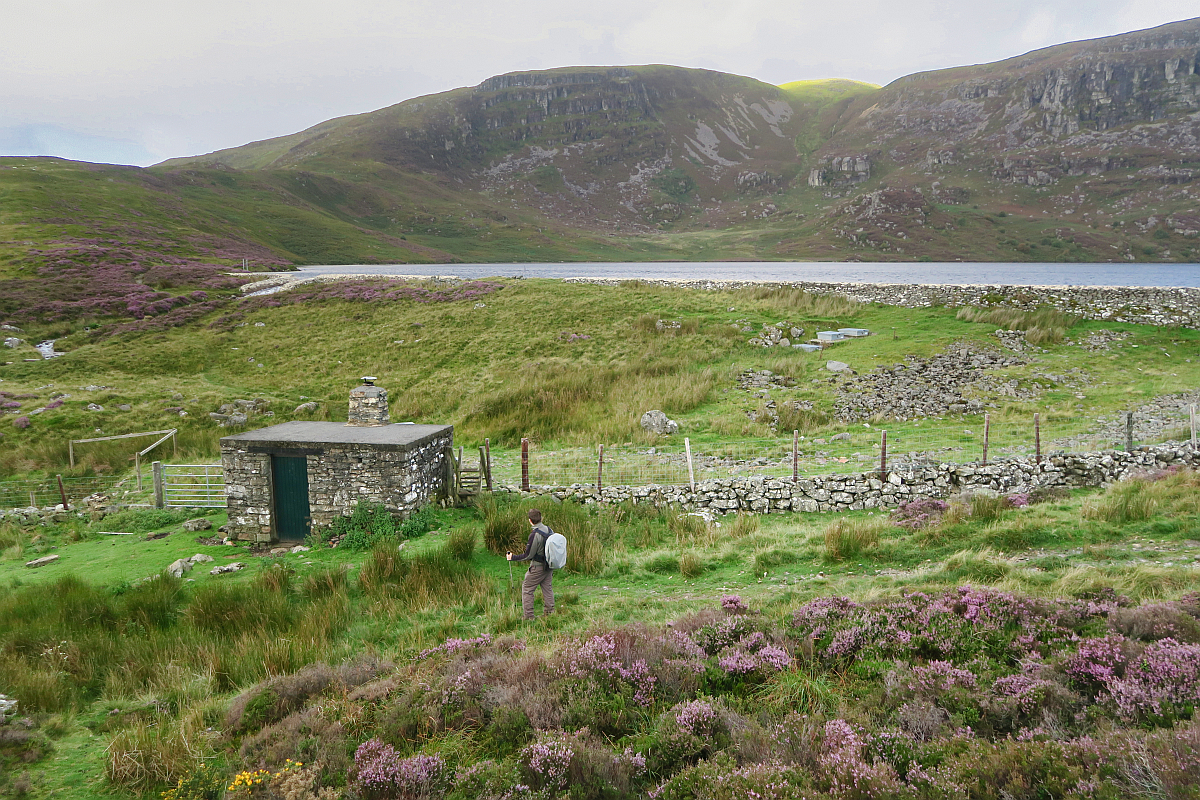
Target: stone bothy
pixel 283 480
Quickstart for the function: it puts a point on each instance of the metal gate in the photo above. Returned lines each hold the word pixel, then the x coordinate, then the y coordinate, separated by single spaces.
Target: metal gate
pixel 191 485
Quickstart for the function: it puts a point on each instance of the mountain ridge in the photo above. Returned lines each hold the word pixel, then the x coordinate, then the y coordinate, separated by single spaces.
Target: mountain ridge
pixel 1081 151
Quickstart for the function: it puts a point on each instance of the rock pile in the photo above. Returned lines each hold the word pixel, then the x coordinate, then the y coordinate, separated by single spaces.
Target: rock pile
pixel 1101 341
pixel 780 334
pixel 924 387
pixel 760 379
pixel 1016 342
pixel 237 413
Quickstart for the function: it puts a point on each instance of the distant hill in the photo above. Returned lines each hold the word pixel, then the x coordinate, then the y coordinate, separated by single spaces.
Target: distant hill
pixel 1082 151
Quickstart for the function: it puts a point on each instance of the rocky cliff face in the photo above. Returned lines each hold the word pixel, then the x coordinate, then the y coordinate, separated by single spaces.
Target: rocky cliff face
pixel 1094 146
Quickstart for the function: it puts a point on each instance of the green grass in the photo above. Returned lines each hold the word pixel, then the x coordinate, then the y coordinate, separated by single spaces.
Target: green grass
pixel 492 375
pixel 654 567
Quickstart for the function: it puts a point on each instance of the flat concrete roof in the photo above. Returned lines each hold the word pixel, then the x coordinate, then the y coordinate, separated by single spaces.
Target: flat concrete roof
pixel 397 436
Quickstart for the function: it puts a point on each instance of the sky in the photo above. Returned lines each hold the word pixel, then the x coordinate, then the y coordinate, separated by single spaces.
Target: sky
pixel 134 82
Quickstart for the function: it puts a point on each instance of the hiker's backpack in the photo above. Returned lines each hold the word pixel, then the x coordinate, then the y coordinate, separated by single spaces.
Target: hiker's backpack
pixel 556 550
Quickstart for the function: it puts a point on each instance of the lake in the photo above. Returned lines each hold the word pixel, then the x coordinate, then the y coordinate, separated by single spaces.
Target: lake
pixel 1125 274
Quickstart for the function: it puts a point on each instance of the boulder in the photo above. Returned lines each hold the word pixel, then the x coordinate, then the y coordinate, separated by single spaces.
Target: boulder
pixel 299 549
pixel 235 421
pixel 179 567
pixel 197 524
pixel 656 421
pixel 841 437
pixel 200 558
pixel 836 366
pixel 226 568
pixel 8 707
pixel 13 341
pixel 41 562
pixel 305 408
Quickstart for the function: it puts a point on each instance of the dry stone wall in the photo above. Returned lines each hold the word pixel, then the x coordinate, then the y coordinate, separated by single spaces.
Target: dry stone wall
pixel 1137 304
pixel 869 490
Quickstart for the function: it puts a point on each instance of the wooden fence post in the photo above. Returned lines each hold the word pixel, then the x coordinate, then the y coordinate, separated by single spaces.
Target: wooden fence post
pixel 1193 415
pixel 1129 432
pixel 600 472
pixel 687 446
pixel 987 435
pixel 1037 438
pixel 62 493
pixel 795 456
pixel 524 465
pixel 883 455
pixel 487 457
pixel 160 495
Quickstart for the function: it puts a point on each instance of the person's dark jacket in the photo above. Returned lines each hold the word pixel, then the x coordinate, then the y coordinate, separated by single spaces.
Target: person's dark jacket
pixel 535 550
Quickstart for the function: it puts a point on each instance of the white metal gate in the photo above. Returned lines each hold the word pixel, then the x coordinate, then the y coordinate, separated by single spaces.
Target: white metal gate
pixel 191 485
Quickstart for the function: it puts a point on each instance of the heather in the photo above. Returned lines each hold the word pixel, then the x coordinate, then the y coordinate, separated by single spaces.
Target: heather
pixel 401 669
pixel 1006 695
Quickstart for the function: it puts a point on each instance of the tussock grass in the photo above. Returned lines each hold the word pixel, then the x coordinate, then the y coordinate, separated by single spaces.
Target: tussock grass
pixel 435 578
pixel 153 752
pixel 740 525
pixel 324 582
pixel 461 543
pixel 798 691
pixel 1140 582
pixel 560 400
pixel 982 566
pixel 691 565
pixel 850 538
pixel 276 578
pixel 235 607
pixel 989 507
pixel 1046 325
pixel 688 529
pixel 789 300
pixel 1132 500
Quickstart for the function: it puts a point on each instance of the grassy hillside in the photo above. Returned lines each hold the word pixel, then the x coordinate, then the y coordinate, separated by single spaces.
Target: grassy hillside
pixel 564 364
pixel 659 162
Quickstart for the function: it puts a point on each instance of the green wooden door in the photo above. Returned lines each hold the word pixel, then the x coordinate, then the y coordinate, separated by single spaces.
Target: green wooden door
pixel 291 496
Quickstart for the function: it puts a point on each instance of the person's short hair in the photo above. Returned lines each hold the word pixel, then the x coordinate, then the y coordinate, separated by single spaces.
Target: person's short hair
pixel 535 516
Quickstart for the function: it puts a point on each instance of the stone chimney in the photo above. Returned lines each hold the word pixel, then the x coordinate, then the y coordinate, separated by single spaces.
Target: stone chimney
pixel 368 405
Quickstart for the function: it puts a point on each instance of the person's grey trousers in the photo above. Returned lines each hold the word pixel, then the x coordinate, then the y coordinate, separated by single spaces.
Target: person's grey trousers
pixel 539 575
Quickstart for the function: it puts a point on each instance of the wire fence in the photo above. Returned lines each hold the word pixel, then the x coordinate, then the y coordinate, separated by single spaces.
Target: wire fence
pixel 45 492
pixel 853 449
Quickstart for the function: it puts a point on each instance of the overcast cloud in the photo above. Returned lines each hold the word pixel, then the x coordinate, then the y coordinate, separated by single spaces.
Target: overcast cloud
pixel 135 82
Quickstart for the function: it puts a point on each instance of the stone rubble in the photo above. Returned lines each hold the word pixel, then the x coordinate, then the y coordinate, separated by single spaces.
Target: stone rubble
pixel 930 387
pixel 224 569
pixel 780 334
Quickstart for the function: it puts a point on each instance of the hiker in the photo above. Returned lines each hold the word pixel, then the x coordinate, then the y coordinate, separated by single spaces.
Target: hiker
pixel 539 571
